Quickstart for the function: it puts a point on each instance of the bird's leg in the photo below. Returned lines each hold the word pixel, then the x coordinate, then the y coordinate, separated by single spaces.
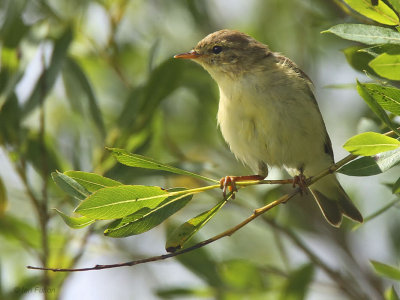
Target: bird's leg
pixel 301 181
pixel 229 182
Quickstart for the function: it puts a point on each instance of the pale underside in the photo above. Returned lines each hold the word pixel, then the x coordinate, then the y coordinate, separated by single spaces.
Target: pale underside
pixel 273 123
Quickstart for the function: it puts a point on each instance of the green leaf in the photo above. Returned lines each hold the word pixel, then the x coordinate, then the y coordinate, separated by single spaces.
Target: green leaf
pixel 139 161
pixel 146 218
pixel 243 275
pixel 183 233
pixel 13 27
pixel 75 222
pixel 367 166
pixel 296 285
pixel 370 143
pixel 357 59
pixel 80 81
pixel 143 101
pixel 379 49
pixel 184 293
pixel 10 120
pixel 34 147
pixel 396 187
pixel 391 294
pixel 387 65
pixel 367 34
pixel 91 181
pixel 49 75
pixel 120 201
pixel 3 198
pixel 363 166
pixel 20 230
pixel 9 72
pixel 386 270
pixel 385 96
pixel 395 4
pixel 380 13
pixel 375 107
pixel 70 186
pixel 202 263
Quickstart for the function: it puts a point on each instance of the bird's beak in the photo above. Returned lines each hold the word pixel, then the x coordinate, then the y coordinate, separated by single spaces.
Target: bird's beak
pixel 188 55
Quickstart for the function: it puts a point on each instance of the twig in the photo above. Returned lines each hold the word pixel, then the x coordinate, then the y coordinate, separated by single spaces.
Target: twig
pixel 43 213
pixel 229 232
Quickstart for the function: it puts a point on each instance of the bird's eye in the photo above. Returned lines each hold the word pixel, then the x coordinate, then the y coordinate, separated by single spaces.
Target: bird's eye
pixel 216 49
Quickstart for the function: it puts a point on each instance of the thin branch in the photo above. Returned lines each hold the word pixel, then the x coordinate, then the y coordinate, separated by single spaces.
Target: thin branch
pixel 43 213
pixel 229 232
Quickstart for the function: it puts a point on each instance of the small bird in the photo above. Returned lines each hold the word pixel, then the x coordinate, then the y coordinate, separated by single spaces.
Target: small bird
pixel 269 116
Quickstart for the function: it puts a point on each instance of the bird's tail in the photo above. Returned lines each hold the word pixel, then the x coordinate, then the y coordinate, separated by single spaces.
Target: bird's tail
pixel 333 201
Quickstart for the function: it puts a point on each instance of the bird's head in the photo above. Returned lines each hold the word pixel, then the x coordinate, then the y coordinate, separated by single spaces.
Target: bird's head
pixel 227 52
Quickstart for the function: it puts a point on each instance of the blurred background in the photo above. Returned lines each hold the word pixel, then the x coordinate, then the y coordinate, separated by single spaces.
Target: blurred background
pixel 78 76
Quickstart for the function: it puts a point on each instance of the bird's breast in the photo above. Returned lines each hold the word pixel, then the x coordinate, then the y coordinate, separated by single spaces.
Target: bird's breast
pixel 270 124
pixel 244 120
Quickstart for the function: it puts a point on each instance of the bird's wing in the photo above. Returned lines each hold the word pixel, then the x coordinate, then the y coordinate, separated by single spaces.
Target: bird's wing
pixel 290 64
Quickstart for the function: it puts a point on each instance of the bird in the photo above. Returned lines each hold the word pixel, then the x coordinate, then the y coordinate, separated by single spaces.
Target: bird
pixel 268 115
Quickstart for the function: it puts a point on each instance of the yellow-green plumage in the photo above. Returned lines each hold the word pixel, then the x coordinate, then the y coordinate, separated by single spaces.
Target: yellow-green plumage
pixel 268 115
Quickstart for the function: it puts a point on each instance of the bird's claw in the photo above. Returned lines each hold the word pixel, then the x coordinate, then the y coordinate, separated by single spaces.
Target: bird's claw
pixel 301 181
pixel 228 182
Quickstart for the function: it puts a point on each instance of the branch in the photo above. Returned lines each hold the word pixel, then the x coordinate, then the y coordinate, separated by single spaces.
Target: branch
pixel 229 232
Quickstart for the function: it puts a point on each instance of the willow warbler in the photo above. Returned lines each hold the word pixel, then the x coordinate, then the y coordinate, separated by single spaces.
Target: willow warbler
pixel 269 116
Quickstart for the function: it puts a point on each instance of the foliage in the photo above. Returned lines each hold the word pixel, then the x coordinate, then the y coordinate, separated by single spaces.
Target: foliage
pixel 109 103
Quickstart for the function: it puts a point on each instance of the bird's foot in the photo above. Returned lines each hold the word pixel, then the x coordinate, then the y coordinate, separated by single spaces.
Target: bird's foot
pixel 301 181
pixel 229 183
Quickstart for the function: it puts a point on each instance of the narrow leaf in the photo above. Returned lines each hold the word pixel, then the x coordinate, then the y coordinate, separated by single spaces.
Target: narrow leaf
pixel 391 294
pixel 244 275
pixel 146 219
pixel 143 101
pixel 15 229
pixel 367 34
pixel 380 13
pixel 375 107
pixel 75 222
pixel 13 27
pixel 183 233
pixel 385 96
pixel 370 143
pixel 70 186
pixel 49 75
pixel 3 198
pixel 363 166
pixel 183 293
pixel 387 160
pixel 86 87
pixel 395 4
pixel 91 181
pixel 387 65
pixel 358 59
pixel 120 201
pixel 139 161
pixel 203 264
pixel 377 50
pixel 386 270
pixel 396 187
pixel 367 166
pixel 296 286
